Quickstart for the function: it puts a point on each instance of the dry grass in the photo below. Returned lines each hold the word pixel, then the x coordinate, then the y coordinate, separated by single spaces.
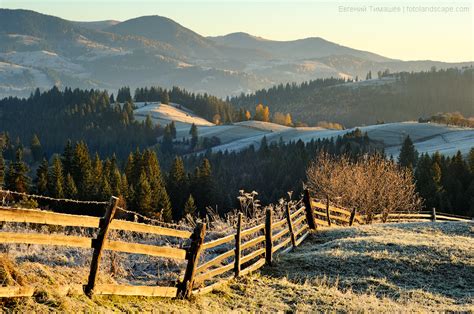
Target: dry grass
pixel 382 268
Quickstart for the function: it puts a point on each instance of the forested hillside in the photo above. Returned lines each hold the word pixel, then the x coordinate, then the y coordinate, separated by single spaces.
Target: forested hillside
pixel 392 97
pixel 96 118
pixel 79 115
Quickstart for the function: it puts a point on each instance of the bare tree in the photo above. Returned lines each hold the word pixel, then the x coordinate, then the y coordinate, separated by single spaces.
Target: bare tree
pixel 371 184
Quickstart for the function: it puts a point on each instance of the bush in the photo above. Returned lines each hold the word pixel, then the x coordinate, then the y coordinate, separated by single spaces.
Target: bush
pixel 370 184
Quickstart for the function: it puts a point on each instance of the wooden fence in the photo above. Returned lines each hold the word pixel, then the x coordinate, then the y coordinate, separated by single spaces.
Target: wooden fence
pixel 241 252
pixel 327 215
pixel 251 249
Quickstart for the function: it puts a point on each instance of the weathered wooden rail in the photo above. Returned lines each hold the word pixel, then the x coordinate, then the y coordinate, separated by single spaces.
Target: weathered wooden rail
pixel 242 252
pixel 248 249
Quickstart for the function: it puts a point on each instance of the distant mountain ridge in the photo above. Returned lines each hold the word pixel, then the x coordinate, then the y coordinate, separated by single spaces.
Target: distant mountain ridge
pixel 38 50
pixel 313 47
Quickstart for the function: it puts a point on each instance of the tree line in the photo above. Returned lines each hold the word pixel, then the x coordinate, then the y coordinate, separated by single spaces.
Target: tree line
pixel 408 96
pixel 192 183
pixel 77 174
pixel 445 183
pixel 55 116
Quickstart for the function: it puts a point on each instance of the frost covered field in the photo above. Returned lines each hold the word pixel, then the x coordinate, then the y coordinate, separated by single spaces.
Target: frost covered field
pixel 427 137
pixel 398 267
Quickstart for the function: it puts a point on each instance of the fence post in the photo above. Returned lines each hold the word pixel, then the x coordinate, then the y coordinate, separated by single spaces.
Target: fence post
pixel 433 214
pixel 238 241
pixel 268 237
pixel 98 244
pixel 309 210
pixel 352 218
pixel 290 225
pixel 185 288
pixel 327 211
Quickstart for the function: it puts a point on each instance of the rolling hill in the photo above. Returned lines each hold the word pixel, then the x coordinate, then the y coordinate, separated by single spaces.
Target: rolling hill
pixel 155 50
pixel 427 137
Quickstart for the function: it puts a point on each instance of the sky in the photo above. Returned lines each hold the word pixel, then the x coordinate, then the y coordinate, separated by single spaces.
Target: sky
pixel 404 29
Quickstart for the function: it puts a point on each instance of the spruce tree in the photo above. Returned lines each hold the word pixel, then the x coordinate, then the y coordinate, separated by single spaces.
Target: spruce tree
pixel 167 141
pixel 36 149
pixel 143 196
pixel 67 157
pixel 177 187
pixel 70 189
pixel 194 135
pixel 173 129
pixel 56 179
pixel 408 154
pixel 203 187
pixel 97 176
pixel 82 170
pixel 41 180
pixel 160 201
pixel 165 97
pixel 16 178
pixel 190 206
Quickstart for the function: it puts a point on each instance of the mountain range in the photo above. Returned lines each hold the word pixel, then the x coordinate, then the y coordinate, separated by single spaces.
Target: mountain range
pixel 38 50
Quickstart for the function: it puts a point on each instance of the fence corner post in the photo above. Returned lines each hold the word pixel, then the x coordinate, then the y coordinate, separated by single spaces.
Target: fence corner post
pixel 352 218
pixel 185 288
pixel 309 210
pixel 268 237
pixel 433 214
pixel 290 225
pixel 98 245
pixel 238 241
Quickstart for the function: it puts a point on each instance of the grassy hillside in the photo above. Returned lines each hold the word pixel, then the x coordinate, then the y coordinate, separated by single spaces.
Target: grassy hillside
pixel 391 267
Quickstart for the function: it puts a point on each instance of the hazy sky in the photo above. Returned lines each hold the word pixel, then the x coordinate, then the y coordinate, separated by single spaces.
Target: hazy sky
pixel 403 32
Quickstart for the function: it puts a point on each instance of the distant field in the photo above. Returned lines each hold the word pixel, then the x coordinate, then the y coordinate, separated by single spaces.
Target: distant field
pixel 384 267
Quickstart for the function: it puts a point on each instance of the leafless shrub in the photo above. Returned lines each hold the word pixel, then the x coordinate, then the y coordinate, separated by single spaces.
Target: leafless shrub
pixel 371 184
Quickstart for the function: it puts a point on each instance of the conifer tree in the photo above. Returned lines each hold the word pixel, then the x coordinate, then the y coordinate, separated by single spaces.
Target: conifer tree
pixel 241 116
pixel 194 135
pixel 16 178
pixel 56 179
pixel 36 149
pixel 167 141
pixel 70 189
pixel 143 197
pixel 408 154
pixel 82 170
pixel 97 174
pixel 177 187
pixel 190 206
pixel 160 198
pixel 173 129
pixel 105 191
pixel 67 157
pixel 165 97
pixel 203 186
pixel 41 180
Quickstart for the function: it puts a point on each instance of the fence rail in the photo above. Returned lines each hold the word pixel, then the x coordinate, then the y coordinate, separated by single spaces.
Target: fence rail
pixel 242 252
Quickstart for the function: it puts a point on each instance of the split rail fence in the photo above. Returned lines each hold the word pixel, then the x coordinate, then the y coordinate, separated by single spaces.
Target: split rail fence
pixel 240 253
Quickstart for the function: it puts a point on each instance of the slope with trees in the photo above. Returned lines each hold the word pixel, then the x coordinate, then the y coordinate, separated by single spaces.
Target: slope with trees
pixel 404 96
